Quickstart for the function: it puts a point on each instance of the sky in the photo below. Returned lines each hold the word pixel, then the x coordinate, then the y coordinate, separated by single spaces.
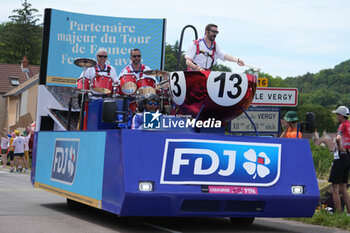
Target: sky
pixel 282 38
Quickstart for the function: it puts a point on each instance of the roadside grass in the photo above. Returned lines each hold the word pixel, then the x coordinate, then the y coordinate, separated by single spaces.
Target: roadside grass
pixel 323 158
pixel 324 218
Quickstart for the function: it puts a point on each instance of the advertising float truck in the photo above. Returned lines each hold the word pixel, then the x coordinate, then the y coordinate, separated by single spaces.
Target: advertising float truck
pixel 179 165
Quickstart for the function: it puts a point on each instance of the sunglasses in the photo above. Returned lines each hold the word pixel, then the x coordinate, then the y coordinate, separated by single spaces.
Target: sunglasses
pixel 104 56
pixel 216 32
pixel 134 56
pixel 153 103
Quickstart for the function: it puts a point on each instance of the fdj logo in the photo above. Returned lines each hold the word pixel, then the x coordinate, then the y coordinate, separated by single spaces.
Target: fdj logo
pixel 189 161
pixel 65 160
pixel 151 120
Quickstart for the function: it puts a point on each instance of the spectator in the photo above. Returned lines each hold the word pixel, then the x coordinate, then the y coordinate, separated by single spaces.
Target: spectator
pixel 341 164
pixel 18 151
pixel 292 129
pixel 10 153
pixel 4 148
pixel 26 150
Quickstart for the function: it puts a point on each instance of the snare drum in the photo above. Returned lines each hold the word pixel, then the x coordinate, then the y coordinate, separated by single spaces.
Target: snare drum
pixel 128 84
pixel 83 85
pixel 146 85
pixel 102 84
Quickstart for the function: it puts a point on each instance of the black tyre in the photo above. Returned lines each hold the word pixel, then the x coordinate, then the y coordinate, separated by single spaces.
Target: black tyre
pixel 73 205
pixel 242 221
pixel 129 221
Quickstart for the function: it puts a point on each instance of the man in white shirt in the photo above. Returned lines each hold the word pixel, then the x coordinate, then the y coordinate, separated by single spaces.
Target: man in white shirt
pixel 18 144
pixel 101 68
pixel 135 67
pixel 203 53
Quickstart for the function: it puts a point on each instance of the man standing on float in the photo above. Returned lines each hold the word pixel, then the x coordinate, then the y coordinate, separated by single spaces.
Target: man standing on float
pixel 203 53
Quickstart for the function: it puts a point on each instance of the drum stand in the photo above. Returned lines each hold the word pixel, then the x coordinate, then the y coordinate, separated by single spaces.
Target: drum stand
pixel 83 98
pixel 162 94
pixel 84 63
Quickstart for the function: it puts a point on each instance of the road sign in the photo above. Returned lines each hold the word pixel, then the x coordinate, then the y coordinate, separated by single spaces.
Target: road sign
pixel 262 82
pixel 269 96
pixel 266 120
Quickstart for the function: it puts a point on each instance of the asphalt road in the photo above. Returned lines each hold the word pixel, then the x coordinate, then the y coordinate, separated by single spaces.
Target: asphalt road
pixel 28 210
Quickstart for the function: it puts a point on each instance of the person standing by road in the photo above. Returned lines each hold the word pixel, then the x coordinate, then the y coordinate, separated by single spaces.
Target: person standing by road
pixel 26 150
pixel 10 153
pixel 341 164
pixel 18 151
pixel 292 129
pixel 4 148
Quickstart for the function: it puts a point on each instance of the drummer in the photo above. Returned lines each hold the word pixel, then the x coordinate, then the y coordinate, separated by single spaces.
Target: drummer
pixel 135 67
pixel 101 68
pixel 204 52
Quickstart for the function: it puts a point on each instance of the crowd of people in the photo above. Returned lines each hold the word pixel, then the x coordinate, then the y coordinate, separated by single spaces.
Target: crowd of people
pixel 340 167
pixel 15 150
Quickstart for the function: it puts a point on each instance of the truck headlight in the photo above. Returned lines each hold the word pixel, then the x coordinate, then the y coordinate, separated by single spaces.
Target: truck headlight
pixel 146 186
pixel 297 189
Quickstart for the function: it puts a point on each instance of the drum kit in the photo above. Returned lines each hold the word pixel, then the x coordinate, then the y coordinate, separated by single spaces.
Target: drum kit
pixel 200 98
pixel 128 85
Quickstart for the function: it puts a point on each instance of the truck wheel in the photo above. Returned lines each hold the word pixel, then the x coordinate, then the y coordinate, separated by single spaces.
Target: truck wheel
pixel 242 221
pixel 73 205
pixel 129 221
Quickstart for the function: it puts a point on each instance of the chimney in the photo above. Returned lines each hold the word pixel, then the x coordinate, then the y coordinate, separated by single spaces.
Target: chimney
pixel 25 66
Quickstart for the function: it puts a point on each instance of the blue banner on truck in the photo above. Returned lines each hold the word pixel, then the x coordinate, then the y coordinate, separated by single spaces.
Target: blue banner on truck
pixel 220 163
pixel 71 164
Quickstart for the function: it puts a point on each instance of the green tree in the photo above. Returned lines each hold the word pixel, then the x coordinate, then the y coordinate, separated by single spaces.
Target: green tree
pixel 21 36
pixel 324 119
pixel 171 54
pixel 26 15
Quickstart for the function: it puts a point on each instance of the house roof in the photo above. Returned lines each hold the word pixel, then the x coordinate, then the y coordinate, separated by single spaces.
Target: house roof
pixel 23 86
pixel 14 70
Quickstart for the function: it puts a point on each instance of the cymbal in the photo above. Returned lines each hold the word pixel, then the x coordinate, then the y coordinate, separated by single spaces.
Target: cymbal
pixel 156 72
pixel 162 84
pixel 84 62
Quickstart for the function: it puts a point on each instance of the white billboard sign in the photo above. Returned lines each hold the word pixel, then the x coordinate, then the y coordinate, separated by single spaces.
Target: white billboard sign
pixel 266 120
pixel 269 96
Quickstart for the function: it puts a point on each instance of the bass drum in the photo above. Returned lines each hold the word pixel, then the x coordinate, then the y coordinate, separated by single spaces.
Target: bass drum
pixel 128 84
pixel 219 95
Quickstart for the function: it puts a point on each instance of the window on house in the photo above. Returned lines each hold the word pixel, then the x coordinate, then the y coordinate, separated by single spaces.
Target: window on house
pixel 14 81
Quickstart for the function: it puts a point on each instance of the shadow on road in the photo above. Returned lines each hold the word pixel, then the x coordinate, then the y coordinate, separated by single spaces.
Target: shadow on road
pixel 157 224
